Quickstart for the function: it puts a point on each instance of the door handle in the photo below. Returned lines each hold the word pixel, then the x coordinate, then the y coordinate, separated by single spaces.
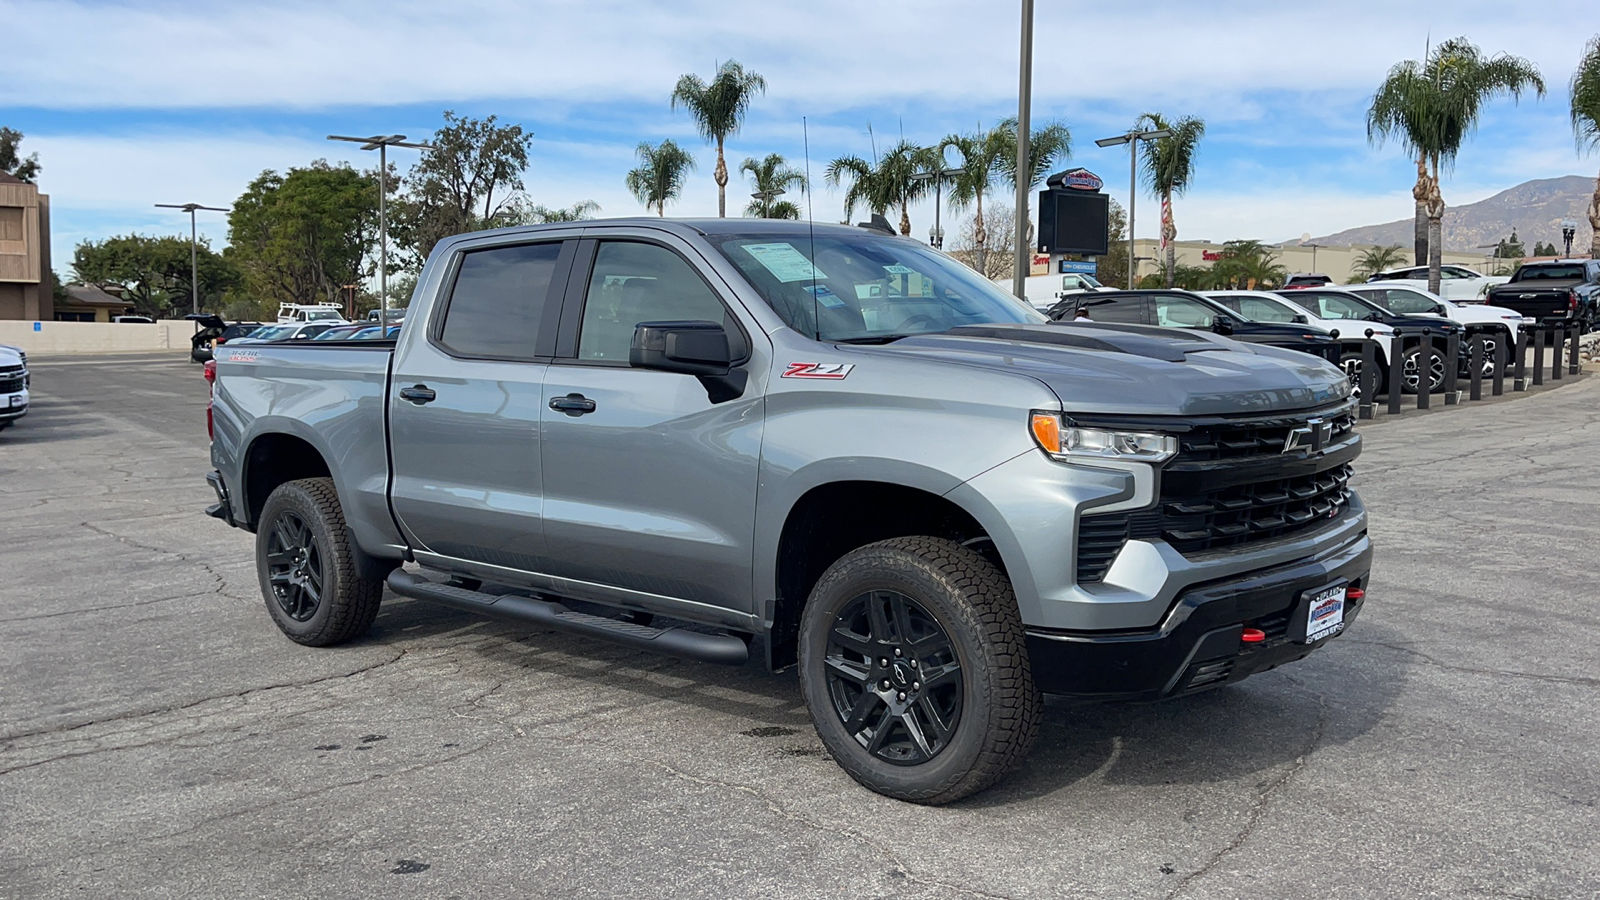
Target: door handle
pixel 418 394
pixel 572 404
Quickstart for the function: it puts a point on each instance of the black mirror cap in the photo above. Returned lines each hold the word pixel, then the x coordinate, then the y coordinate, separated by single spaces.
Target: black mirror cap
pixel 689 348
pixel 1222 325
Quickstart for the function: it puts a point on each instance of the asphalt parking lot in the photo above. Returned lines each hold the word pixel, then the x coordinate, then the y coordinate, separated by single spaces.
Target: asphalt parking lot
pixel 160 738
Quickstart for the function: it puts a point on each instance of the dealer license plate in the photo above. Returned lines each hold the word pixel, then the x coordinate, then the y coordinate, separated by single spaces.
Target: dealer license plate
pixel 1325 613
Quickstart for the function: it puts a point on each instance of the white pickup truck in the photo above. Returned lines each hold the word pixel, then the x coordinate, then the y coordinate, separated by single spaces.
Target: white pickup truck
pixel 1457 283
pixel 13 386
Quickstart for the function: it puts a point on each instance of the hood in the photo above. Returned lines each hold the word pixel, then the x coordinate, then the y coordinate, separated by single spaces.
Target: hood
pixel 1139 370
pixel 1277 329
pixel 1443 326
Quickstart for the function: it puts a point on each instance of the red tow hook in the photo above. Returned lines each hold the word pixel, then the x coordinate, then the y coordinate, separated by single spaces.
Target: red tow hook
pixel 1253 636
pixel 1354 594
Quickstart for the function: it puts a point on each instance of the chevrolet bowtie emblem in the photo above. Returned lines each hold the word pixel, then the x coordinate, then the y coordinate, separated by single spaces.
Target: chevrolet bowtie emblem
pixel 1313 436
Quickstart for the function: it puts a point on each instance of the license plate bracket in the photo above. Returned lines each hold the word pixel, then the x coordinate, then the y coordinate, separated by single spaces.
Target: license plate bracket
pixel 1319 613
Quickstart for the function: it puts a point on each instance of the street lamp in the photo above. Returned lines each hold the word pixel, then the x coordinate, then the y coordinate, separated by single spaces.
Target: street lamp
pixel 766 198
pixel 1569 229
pixel 1132 139
pixel 194 259
pixel 1019 259
pixel 938 177
pixel 382 143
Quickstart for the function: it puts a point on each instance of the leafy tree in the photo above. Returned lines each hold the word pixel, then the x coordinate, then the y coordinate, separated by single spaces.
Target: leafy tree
pixel 1540 248
pixel 1113 267
pixel 773 173
pixel 154 272
pixel 878 187
pixel 470 181
pixel 1047 145
pixel 1168 167
pixel 965 247
pixel 659 176
pixel 718 109
pixel 1585 91
pixel 301 236
pixel 1373 260
pixel 1246 264
pixel 523 212
pixel 11 160
pixel 1430 107
pixel 980 154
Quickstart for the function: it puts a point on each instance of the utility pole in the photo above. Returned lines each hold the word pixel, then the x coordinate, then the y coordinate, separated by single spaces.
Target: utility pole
pixel 382 143
pixel 1019 259
pixel 194 255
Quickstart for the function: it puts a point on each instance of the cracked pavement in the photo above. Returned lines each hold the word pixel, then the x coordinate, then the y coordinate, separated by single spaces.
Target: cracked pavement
pixel 159 738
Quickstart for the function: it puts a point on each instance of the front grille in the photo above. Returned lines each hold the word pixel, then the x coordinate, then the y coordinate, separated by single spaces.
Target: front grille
pixel 1233 483
pixel 10 385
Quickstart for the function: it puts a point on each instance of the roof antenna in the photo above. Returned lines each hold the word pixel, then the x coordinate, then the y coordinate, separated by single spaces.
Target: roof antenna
pixel 811 231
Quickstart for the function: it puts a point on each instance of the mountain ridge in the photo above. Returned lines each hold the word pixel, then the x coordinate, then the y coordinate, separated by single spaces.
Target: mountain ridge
pixel 1534 208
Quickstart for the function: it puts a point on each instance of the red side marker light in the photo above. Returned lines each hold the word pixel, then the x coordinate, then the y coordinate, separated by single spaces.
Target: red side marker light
pixel 1253 636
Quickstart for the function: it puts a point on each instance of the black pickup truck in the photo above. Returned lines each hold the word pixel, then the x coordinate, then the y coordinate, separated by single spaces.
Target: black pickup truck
pixel 1182 309
pixel 1562 292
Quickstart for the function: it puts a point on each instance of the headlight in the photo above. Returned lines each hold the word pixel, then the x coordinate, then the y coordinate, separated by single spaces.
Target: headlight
pixel 1068 443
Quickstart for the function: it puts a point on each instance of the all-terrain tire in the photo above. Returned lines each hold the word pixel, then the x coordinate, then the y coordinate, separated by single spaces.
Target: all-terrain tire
pixel 307 515
pixel 970 599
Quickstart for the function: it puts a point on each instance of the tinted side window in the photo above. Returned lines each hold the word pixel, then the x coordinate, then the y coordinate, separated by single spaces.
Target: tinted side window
pixel 1127 310
pixel 1181 312
pixel 499 300
pixel 1258 310
pixel 637 282
pixel 1403 302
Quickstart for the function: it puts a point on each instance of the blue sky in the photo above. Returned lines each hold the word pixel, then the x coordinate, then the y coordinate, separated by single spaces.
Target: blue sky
pixel 132 104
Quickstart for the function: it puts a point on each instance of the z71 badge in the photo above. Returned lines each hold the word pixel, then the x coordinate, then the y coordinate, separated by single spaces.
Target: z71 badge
pixel 834 371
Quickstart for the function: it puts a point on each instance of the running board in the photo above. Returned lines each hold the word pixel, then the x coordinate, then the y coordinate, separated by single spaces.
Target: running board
pixel 724 649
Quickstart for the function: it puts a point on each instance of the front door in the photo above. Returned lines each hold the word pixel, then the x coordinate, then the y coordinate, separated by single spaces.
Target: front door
pixel 465 410
pixel 650 488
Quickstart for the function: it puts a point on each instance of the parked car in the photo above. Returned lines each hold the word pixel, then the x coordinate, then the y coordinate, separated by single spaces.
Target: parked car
pixel 1306 279
pixel 396 314
pixel 286 332
pixel 297 313
pixel 1564 292
pixel 211 332
pixel 134 320
pixel 1490 326
pixel 1457 283
pixel 1265 306
pixel 23 356
pixel 341 333
pixel 1337 304
pixel 1182 309
pixel 1044 291
pixel 14 382
pixel 930 501
pixel 373 333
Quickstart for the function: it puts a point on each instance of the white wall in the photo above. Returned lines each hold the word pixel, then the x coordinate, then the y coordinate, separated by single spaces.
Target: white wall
pixel 96 337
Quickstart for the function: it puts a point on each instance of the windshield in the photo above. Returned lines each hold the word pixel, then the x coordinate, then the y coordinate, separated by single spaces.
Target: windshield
pixel 867 288
pixel 1329 306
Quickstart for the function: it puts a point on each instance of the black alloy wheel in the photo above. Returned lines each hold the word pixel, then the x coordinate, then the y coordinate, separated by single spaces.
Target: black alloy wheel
pixel 294 566
pixel 894 678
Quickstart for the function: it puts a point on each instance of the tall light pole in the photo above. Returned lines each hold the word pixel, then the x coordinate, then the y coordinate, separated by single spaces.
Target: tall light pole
pixel 938 177
pixel 382 143
pixel 194 256
pixel 1132 139
pixel 1569 229
pixel 766 198
pixel 1019 258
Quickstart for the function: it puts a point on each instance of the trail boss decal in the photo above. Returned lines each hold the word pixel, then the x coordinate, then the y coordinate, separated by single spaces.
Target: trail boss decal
pixel 834 371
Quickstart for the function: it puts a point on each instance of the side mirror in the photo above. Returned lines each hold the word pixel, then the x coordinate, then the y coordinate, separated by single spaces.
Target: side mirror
pixel 700 349
pixel 1222 324
pixel 1301 320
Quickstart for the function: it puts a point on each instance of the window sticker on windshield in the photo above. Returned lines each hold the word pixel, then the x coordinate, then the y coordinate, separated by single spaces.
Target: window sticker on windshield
pixel 826 297
pixel 784 261
pixel 898 270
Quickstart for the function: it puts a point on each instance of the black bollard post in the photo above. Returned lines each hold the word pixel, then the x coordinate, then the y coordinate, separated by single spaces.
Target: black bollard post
pixel 1538 355
pixel 1475 381
pixel 1452 362
pixel 1425 370
pixel 1558 343
pixel 1368 383
pixel 1396 374
pixel 1574 364
pixel 1519 381
pixel 1500 357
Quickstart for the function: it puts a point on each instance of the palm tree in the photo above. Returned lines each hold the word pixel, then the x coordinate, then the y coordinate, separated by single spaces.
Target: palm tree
pixel 719 108
pixel 1046 145
pixel 1373 260
pixel 1169 167
pixel 981 158
pixel 660 174
pixel 539 214
pixel 889 183
pixel 1585 89
pixel 1431 107
pixel 773 174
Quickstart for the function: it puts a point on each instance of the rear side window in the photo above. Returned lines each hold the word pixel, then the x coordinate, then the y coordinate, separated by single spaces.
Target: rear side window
pixel 1258 310
pixel 1125 310
pixel 499 300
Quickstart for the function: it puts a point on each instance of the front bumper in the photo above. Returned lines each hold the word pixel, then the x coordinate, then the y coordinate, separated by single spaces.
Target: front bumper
pixel 1199 644
pixel 13 405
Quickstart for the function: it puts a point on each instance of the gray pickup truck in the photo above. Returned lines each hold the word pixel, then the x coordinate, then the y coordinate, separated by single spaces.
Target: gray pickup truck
pixel 842 448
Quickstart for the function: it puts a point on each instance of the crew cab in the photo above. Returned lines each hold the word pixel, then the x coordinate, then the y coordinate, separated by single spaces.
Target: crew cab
pixel 682 435
pixel 1563 293
pixel 1340 304
pixel 1457 283
pixel 1182 309
pixel 13 386
pixel 1265 306
pixel 1488 326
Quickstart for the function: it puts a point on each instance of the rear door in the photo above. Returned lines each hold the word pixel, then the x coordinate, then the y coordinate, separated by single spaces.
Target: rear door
pixel 650 488
pixel 465 406
pixel 1128 309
